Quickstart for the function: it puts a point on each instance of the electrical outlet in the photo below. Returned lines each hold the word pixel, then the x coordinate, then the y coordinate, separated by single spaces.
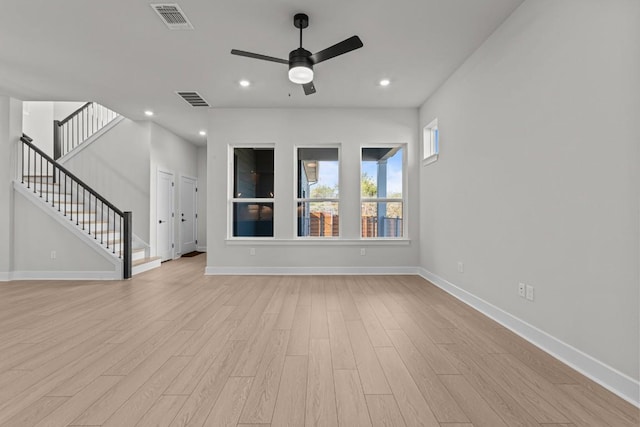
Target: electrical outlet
pixel 252 251
pixel 460 267
pixel 363 251
pixel 521 290
pixel 530 292
pixel 53 254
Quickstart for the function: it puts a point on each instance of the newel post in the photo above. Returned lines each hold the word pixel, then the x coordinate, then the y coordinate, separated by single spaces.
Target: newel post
pixel 128 241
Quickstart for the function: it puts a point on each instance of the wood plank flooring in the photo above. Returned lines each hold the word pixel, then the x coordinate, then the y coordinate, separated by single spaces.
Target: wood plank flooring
pixel 172 347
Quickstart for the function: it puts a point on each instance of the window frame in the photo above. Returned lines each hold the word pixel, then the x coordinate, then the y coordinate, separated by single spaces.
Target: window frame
pixel 297 199
pixel 403 200
pixel 232 200
pixel 430 142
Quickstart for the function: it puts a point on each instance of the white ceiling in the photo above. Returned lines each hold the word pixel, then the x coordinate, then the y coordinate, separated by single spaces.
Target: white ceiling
pixel 119 53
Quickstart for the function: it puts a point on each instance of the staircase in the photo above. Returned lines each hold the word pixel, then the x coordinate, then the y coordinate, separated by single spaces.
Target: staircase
pixel 68 196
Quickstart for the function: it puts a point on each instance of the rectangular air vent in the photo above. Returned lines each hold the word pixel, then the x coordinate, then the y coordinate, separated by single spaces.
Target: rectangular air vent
pixel 172 16
pixel 194 99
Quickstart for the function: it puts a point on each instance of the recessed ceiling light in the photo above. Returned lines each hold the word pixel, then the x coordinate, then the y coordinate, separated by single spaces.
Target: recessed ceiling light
pixel 385 82
pixel 148 113
pixel 245 83
pixel 202 133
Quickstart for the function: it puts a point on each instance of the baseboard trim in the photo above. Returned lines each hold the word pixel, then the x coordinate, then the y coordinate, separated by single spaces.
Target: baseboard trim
pixel 4 276
pixel 201 248
pixel 306 271
pixel 65 275
pixel 610 378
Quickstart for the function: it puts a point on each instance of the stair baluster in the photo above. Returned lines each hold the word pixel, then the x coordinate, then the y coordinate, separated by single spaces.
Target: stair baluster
pixel 113 222
pixel 79 126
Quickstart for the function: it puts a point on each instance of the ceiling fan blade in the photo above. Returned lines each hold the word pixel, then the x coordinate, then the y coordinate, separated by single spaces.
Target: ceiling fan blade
pixel 352 43
pixel 258 56
pixel 309 88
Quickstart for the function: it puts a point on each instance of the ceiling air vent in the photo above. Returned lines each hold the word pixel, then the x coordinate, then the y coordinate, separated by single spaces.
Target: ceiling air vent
pixel 194 99
pixel 172 16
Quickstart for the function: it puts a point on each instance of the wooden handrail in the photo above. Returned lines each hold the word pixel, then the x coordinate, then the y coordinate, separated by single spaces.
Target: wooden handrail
pixel 75 113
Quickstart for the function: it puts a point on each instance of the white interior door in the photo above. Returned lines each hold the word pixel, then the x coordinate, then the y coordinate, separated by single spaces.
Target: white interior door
pixel 188 214
pixel 164 213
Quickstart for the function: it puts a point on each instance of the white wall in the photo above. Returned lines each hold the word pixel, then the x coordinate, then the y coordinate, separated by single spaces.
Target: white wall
pixel 116 165
pixel 170 153
pixel 202 198
pixel 286 128
pixel 10 132
pixel 538 176
pixel 61 109
pixel 38 117
pixel 37 234
pixel 37 123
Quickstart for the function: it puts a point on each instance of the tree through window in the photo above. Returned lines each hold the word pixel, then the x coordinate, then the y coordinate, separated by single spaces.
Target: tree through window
pixel 381 192
pixel 318 192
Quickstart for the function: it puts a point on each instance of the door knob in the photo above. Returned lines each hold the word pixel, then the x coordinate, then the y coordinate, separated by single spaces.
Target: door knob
pixel 183 220
pixel 160 221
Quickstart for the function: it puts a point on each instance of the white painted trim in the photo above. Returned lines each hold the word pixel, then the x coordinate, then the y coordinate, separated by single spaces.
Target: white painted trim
pixel 610 378
pixel 195 208
pixel 310 241
pixel 71 154
pixel 69 225
pixel 304 271
pixel 65 275
pixel 201 248
pixel 138 242
pixel 172 220
pixel 428 160
pixel 406 218
pixel 295 183
pixel 5 276
pixel 137 269
pixel 231 199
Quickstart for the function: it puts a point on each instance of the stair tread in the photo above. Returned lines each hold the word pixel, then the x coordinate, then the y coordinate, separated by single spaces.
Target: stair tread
pixel 144 260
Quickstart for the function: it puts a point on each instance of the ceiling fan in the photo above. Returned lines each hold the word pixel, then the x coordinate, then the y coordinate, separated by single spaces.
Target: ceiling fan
pixel 301 61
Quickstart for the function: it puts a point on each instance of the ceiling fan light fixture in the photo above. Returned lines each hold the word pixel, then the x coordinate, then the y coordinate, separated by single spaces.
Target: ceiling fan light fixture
pixel 301 61
pixel 301 74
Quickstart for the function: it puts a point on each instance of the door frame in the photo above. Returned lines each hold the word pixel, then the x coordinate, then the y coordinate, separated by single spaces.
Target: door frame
pixel 195 209
pixel 172 219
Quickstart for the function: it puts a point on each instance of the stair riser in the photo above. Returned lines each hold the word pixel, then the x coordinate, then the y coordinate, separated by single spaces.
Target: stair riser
pixel 98 227
pixel 53 196
pixel 57 189
pixel 38 180
pixel 82 218
pixel 135 255
pixel 108 236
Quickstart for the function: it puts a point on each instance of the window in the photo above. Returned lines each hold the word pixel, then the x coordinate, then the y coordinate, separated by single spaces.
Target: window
pixel 318 191
pixel 430 142
pixel 381 192
pixel 252 198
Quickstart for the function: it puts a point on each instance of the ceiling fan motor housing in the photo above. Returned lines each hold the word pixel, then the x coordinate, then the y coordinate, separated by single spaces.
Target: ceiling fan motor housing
pixel 300 58
pixel 300 66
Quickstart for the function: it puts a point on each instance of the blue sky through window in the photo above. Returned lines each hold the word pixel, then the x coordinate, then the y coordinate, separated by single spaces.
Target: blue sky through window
pixel 394 173
pixel 328 173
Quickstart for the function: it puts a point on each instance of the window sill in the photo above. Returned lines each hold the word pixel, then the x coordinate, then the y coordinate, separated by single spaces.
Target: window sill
pixel 431 159
pixel 270 241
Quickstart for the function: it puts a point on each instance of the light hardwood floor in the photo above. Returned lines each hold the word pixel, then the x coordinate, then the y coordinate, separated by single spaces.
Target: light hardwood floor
pixel 172 347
